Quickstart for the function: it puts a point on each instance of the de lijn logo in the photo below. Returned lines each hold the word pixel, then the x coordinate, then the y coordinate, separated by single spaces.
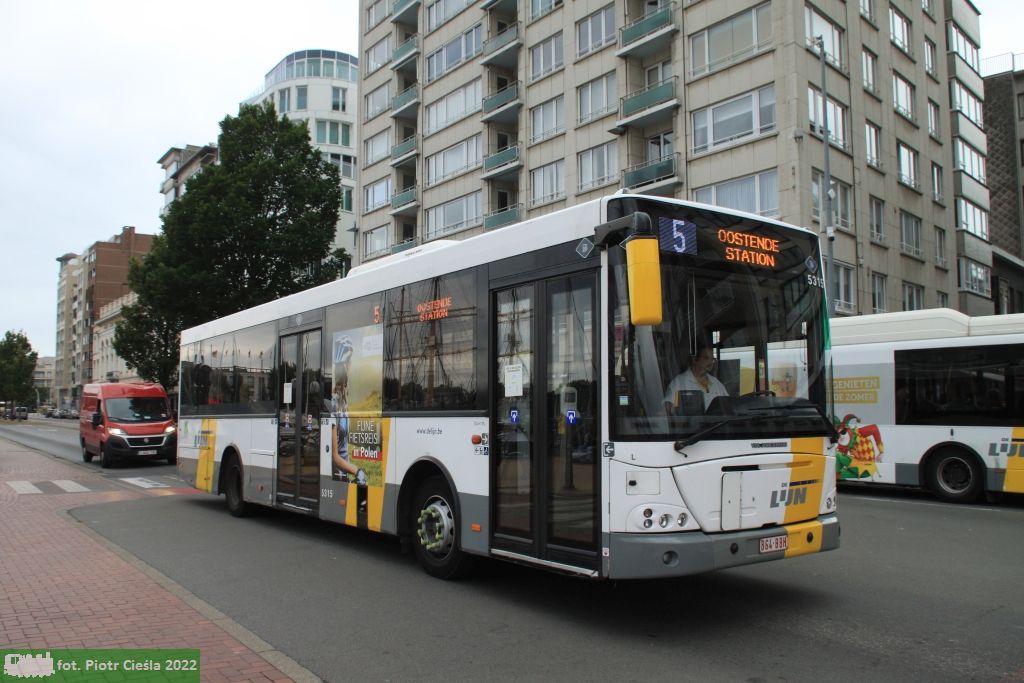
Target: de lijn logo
pixel 1007 447
pixel 792 494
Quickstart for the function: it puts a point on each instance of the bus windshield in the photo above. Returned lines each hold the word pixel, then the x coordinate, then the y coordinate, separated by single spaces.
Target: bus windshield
pixel 740 351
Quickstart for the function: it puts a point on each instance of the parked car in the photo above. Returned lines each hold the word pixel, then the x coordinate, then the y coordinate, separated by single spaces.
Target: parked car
pixel 60 413
pixel 21 413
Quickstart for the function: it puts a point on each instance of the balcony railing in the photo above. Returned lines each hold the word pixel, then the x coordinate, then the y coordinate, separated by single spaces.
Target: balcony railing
pixel 655 21
pixel 648 97
pixel 911 250
pixel 406 196
pixel 495 43
pixel 405 97
pixel 404 10
pixel 404 50
pixel 402 246
pixel 509 93
pixel 501 157
pixel 501 217
pixel 650 171
pixel 405 147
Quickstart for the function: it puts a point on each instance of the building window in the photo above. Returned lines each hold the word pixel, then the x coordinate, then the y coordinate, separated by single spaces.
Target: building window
pixel 378 100
pixel 346 198
pixel 876 219
pixel 659 146
pixel 974 277
pixel 1020 106
pixel 338 97
pixel 598 166
pixel 836 117
pixel 546 56
pixel 547 119
pixel 907 158
pixel 963 100
pixel 300 97
pixel 872 133
pixel 375 241
pixel 844 287
pixel 937 183
pixel 728 41
pixel 969 160
pixel 931 58
pixel 757 193
pixel 972 218
pixel 457 159
pixel 869 64
pixel 284 100
pixel 959 43
pixel 840 201
pixel 379 54
pixel 940 247
pixel 376 195
pixel 899 31
pixel 547 183
pixel 453 106
pixel 453 216
pixel 595 31
pixel 867 9
pixel 817 25
pixel 454 53
pixel 740 117
pixel 913 296
pixel 376 147
pixel 348 166
pixel 878 294
pixel 934 117
pixel 376 13
pixel 443 10
pixel 596 98
pixel 903 96
pixel 910 234
pixel 539 8
pixel 942 299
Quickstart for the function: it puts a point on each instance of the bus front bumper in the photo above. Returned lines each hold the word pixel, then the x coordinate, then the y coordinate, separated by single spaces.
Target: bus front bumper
pixel 655 556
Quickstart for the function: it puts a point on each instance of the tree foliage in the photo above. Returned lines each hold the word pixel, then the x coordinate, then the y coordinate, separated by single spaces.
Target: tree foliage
pixel 17 369
pixel 255 227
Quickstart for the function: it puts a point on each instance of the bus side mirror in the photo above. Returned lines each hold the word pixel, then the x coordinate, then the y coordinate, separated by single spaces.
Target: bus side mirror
pixel 643 278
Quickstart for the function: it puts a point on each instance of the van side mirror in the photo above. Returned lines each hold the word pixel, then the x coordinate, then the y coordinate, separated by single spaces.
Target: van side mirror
pixel 97 419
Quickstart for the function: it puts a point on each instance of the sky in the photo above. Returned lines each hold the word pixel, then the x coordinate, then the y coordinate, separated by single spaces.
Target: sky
pixel 95 91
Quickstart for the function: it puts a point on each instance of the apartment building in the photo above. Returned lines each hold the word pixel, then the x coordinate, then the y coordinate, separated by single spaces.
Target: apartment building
pixel 42 379
pixel 107 366
pixel 320 87
pixel 476 115
pixel 180 164
pixel 1004 122
pixel 87 282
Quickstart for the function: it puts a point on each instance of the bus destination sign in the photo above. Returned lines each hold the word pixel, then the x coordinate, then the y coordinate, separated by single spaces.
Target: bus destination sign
pixel 745 247
pixel 682 237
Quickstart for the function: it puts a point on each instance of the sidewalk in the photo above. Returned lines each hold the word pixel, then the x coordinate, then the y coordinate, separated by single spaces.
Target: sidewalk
pixel 62 586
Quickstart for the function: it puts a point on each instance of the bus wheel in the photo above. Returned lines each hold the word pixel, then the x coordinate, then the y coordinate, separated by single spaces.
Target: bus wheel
pixel 233 490
pixel 86 455
pixel 954 475
pixel 437 531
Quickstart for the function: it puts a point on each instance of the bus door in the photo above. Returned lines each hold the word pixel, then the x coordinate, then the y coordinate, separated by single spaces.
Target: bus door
pixel 298 423
pixel 544 423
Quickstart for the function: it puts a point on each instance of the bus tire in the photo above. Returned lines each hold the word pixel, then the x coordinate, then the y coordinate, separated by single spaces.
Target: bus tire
pixel 233 494
pixel 86 455
pixel 436 535
pixel 954 475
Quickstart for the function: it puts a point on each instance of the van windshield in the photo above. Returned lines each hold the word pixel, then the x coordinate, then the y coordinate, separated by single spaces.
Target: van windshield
pixel 137 409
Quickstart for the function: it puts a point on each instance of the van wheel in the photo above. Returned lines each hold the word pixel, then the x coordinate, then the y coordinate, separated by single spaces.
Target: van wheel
pixel 233 490
pixel 436 538
pixel 86 455
pixel 172 459
pixel 106 460
pixel 954 475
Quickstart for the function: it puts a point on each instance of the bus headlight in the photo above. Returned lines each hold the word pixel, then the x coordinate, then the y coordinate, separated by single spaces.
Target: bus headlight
pixel 660 518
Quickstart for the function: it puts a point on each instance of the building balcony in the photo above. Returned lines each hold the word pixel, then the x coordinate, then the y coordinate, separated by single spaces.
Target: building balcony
pixel 503 217
pixel 405 11
pixel 503 49
pixel 405 203
pixel 404 56
pixel 500 6
pixel 503 106
pixel 649 35
pixel 405 152
pixel 654 175
pixel 403 246
pixel 651 105
pixel 847 307
pixel 504 162
pixel 405 104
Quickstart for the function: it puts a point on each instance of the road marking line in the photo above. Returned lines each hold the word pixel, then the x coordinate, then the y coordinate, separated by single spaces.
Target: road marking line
pixel 70 486
pixel 23 487
pixel 144 483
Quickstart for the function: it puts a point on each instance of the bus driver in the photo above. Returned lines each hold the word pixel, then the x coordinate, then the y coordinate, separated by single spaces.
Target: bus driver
pixel 696 378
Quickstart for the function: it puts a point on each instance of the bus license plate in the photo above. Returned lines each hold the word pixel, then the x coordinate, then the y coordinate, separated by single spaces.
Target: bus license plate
pixel 153 452
pixel 773 544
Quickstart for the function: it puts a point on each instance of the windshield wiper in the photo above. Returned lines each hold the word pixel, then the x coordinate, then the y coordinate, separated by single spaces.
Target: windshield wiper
pixel 698 435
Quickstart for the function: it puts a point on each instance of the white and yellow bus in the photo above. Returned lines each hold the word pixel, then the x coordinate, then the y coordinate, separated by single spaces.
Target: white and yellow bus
pixel 506 396
pixel 931 398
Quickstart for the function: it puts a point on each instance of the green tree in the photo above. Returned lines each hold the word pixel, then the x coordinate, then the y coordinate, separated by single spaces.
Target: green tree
pixel 255 227
pixel 17 368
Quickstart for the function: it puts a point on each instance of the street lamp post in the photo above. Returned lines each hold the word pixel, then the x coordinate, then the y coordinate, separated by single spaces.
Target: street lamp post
pixel 825 192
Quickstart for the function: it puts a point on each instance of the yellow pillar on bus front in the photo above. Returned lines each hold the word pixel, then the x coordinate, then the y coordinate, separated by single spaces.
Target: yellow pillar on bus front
pixel 643 275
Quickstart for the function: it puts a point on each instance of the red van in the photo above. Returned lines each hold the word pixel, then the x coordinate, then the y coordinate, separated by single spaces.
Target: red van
pixel 126 420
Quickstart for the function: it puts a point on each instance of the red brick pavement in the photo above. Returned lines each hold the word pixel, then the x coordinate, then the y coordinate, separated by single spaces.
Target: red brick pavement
pixel 61 586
